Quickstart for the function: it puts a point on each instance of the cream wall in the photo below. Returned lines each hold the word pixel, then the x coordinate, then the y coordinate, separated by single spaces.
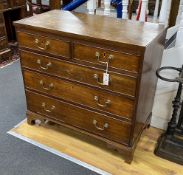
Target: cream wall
pixel 166 92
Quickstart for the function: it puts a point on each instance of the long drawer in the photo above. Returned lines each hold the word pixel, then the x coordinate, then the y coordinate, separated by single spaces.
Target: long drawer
pixel 3 43
pixel 45 44
pixel 87 120
pixel 100 56
pixel 2 30
pixel 90 97
pixel 118 83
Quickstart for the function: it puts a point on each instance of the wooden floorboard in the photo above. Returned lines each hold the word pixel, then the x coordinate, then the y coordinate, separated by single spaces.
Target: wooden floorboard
pixel 96 154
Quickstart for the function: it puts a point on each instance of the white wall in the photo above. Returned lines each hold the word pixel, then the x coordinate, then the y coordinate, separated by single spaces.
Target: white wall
pixel 166 92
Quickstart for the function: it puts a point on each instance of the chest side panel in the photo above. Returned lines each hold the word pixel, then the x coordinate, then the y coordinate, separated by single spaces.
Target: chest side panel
pixel 147 84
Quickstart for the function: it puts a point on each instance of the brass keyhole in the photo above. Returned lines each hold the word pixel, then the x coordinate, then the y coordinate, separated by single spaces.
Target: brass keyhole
pixel 104 55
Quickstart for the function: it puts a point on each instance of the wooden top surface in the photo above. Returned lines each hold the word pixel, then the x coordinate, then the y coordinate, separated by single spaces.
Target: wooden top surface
pixel 93 26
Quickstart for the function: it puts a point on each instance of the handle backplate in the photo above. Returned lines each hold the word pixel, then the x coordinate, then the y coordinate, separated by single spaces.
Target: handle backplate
pixel 98 57
pixel 106 103
pixel 105 126
pixel 41 45
pixel 46 109
pixel 49 64
pixel 48 88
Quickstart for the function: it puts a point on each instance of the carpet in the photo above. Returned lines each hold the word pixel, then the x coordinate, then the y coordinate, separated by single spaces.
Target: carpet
pixel 9 61
pixel 18 157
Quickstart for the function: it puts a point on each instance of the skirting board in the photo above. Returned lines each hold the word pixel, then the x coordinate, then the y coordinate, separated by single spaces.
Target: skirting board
pixel 165 93
pixel 159 122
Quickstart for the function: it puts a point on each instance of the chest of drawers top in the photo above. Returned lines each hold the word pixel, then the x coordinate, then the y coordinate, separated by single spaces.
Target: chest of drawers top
pixel 109 31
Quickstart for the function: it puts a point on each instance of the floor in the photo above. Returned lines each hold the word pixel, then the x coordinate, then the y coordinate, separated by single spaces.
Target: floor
pixel 95 153
pixel 21 158
pixel 18 157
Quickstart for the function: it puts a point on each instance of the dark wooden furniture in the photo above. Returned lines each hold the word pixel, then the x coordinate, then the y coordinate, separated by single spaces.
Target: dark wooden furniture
pixel 40 7
pixel 51 5
pixel 64 56
pixel 56 4
pixel 174 12
pixel 10 10
pixel 151 6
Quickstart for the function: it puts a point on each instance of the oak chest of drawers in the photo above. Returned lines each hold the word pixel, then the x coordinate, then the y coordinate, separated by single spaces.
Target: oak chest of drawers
pixel 65 57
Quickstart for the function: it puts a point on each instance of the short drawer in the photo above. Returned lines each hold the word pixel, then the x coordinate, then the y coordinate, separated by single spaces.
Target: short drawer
pixel 118 60
pixel 87 120
pixel 44 44
pixel 83 95
pixel 2 30
pixel 3 44
pixel 118 83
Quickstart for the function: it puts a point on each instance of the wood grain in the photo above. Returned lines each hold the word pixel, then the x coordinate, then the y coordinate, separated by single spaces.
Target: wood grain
pixel 10 10
pixel 2 30
pixel 13 3
pixel 119 105
pixel 94 152
pixel 135 50
pixel 124 61
pixel 84 26
pixel 148 82
pixel 119 83
pixel 3 43
pixel 72 115
pixel 174 12
pixel 1 18
pixel 56 4
pixel 45 44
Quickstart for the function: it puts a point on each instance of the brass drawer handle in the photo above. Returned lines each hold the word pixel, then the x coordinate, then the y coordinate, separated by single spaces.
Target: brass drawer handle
pixel 105 126
pixel 44 67
pixel 50 86
pixel 97 54
pixel 98 79
pixel 96 98
pixel 47 110
pixel 38 43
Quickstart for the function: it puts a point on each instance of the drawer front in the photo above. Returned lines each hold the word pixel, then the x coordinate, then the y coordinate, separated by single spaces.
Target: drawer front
pixel 44 44
pixel 3 44
pixel 2 31
pixel 87 120
pixel 119 83
pixel 100 100
pixel 1 18
pixel 101 56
